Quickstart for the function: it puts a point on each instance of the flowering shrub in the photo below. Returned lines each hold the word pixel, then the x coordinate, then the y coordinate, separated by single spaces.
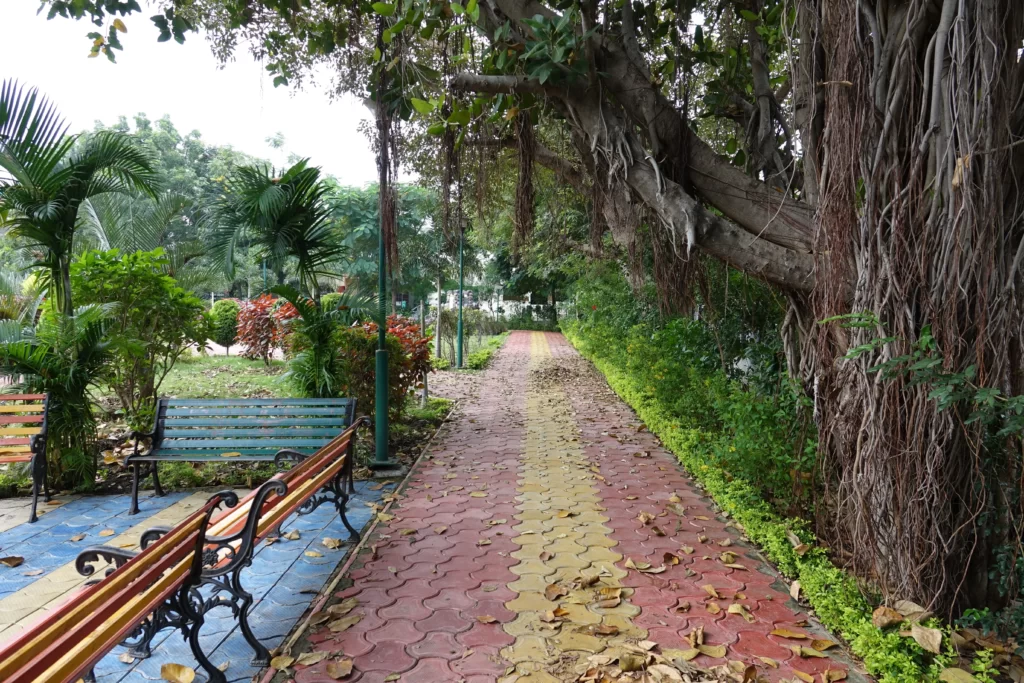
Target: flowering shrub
pixel 415 357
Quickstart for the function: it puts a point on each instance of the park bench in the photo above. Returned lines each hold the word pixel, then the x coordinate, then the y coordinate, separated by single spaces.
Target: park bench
pixel 160 587
pixel 23 439
pixel 247 429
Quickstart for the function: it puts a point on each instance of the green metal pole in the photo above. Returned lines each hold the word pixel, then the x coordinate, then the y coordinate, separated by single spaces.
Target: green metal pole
pixel 264 275
pixel 380 459
pixel 458 352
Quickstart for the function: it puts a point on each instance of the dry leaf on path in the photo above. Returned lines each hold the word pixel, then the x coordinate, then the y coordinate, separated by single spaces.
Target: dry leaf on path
pixel 554 591
pixel 712 650
pixel 343 607
pixel 107 532
pixel 292 535
pixel 77 537
pixel 312 553
pixel 282 662
pixel 885 616
pixel 440 529
pixel 339 669
pixel 332 543
pixel 478 494
pixel 311 658
pixel 177 673
pixel 787 633
pixel 486 619
pixel 12 561
pixel 345 623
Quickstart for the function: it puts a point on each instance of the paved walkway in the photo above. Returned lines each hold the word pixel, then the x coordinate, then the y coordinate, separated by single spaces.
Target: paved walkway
pixel 545 534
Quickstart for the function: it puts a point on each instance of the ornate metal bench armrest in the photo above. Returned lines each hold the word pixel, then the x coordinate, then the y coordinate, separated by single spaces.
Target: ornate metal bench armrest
pixel 86 559
pixel 152 535
pixel 287 454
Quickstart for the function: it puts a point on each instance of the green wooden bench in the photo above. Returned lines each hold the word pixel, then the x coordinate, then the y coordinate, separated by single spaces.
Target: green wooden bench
pixel 274 430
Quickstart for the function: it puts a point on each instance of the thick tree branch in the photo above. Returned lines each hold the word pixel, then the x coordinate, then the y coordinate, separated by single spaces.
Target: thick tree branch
pixel 546 157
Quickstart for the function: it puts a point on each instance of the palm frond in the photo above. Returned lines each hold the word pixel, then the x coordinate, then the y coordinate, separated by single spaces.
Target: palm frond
pixel 33 136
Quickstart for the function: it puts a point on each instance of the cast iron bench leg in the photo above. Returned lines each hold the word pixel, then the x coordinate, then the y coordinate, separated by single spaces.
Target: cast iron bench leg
pixel 157 489
pixel 134 509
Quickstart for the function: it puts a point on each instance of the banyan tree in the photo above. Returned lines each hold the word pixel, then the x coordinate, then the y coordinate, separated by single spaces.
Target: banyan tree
pixel 864 157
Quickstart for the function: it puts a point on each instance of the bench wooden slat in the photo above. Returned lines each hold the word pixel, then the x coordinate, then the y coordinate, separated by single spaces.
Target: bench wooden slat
pixel 258 401
pixel 178 421
pixel 228 444
pixel 19 419
pixel 251 455
pixel 24 408
pixel 9 456
pixel 19 431
pixel 340 410
pixel 22 397
pixel 289 431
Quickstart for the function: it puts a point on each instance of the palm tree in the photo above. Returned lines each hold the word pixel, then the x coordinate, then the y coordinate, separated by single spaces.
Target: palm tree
pixel 281 216
pixel 130 223
pixel 48 174
pixel 314 370
pixel 63 356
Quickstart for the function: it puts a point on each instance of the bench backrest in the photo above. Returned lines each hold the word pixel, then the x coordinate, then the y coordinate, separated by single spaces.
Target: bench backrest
pixel 73 637
pixel 300 482
pixel 249 426
pixel 22 417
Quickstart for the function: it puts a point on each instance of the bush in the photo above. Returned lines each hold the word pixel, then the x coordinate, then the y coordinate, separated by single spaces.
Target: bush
pixel 258 331
pixel 224 323
pixel 356 369
pixel 152 322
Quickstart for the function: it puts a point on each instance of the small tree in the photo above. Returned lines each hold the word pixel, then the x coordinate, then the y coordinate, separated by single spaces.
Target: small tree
pixel 152 322
pixel 224 323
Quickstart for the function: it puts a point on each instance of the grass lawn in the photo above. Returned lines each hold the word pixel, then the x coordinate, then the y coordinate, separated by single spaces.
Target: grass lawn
pixel 226 377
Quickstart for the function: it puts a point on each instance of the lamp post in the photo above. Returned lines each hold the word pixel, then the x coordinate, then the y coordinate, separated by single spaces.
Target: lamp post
pixel 458 352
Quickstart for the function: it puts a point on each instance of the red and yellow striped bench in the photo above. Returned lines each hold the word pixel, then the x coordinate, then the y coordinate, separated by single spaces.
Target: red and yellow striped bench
pixel 157 588
pixel 65 645
pixel 23 438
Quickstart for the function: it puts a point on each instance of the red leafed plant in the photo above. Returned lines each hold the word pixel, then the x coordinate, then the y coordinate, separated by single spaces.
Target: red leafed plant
pixel 406 370
pixel 258 330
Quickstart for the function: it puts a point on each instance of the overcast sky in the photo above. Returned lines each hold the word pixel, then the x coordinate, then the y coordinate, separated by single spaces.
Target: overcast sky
pixel 236 105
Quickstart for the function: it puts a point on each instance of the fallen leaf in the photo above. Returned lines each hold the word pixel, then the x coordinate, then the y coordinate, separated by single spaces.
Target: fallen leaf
pixel 928 638
pixel 125 658
pixel 311 658
pixel 343 607
pixel 787 633
pixel 483 541
pixel 632 497
pixel 686 550
pixel 737 608
pixel 712 650
pixel 631 662
pixel 392 677
pixel 440 529
pixel 384 517
pixel 77 537
pixel 954 675
pixel 683 606
pixel 725 542
pixel 657 531
pixel 688 655
pixel 34 572
pixel 12 561
pixel 312 553
pixel 645 517
pixel 496 522
pixel 554 591
pixel 292 535
pixel 486 619
pixel 652 570
pixel 711 591
pixel 177 673
pixel 831 675
pixel 545 556
pixel 476 494
pixel 107 532
pixel 339 669
pixel 885 616
pixel 822 645
pixel 407 532
pixel 713 608
pixel 769 662
pixel 803 676
pixel 332 543
pixel 345 623
pixel 670 559
pixel 806 652
pixel 794 590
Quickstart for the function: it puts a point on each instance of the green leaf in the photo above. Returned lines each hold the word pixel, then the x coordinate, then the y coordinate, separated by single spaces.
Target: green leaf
pixel 730 147
pixel 385 9
pixel 422 106
pixel 460 117
pixel 436 129
pixel 458 9
pixel 748 15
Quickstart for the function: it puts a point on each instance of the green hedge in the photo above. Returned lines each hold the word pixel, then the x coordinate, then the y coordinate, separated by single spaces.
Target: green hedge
pixel 481 358
pixel 831 592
